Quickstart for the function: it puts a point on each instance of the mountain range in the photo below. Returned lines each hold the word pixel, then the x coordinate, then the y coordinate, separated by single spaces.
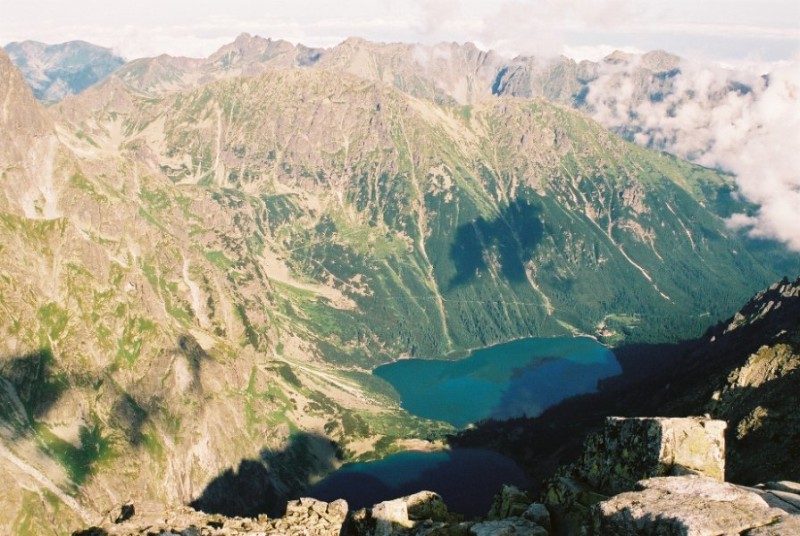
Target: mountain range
pixel 55 71
pixel 203 260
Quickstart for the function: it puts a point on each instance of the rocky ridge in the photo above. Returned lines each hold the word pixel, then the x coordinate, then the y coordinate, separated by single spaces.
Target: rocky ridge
pixel 742 371
pixel 56 71
pixel 616 488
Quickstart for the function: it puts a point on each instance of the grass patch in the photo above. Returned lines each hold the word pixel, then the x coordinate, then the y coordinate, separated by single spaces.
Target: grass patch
pixel 79 462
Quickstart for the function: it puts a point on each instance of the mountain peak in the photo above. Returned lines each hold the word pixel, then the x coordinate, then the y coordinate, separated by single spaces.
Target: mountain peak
pixel 20 113
pixel 55 71
pixel 660 61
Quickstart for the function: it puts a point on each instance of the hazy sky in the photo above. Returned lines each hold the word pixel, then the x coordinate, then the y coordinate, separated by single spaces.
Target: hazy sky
pixel 725 30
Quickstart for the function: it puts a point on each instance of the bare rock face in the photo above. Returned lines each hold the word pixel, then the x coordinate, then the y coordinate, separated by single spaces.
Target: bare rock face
pixel 629 450
pixel 691 505
pixel 420 513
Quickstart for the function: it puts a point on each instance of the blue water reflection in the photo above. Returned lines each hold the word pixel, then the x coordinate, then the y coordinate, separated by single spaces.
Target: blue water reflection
pixel 522 377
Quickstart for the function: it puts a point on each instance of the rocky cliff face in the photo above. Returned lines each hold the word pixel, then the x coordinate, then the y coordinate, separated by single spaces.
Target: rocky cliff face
pixel 660 476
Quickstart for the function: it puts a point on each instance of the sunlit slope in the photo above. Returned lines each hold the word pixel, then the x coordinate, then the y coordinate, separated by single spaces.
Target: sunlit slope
pixel 428 229
pixel 135 360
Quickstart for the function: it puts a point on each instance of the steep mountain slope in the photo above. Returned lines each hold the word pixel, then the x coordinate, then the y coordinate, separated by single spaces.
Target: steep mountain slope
pixel 195 285
pixel 519 207
pixel 114 380
pixel 55 71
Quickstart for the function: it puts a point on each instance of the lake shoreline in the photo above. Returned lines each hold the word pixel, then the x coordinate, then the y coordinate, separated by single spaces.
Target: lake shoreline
pixel 522 377
pixel 457 355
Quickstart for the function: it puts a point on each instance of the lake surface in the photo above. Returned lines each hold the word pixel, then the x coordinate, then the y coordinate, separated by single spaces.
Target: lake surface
pixel 467 479
pixel 522 377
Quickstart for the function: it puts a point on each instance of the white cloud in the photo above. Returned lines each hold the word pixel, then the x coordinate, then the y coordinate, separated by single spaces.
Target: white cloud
pixel 181 27
pixel 740 122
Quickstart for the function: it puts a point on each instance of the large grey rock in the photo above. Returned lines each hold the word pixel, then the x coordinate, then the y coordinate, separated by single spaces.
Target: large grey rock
pixel 427 505
pixel 391 517
pixel 783 526
pixel 630 449
pixel 422 513
pixel 784 486
pixel 510 502
pixel 788 502
pixel 539 514
pixel 686 505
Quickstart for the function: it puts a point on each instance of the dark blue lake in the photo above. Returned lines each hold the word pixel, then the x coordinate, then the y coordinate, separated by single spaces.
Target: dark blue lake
pixel 467 479
pixel 522 377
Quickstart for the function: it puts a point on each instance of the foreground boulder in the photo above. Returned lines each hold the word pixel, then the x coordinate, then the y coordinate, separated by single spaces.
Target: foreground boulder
pixel 630 449
pixel 690 505
pixel 421 513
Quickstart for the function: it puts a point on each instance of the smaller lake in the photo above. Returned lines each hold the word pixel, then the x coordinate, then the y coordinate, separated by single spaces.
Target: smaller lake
pixel 522 377
pixel 467 479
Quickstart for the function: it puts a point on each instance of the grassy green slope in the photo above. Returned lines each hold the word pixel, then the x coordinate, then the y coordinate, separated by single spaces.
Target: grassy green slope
pixel 458 227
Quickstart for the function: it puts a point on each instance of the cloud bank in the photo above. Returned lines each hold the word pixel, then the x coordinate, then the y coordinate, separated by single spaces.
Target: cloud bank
pixel 743 123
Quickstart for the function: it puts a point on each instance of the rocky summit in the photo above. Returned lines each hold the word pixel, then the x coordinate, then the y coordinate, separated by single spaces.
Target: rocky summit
pixel 603 498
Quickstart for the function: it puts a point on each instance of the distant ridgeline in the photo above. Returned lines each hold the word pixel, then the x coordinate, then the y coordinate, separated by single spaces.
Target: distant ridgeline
pixel 56 71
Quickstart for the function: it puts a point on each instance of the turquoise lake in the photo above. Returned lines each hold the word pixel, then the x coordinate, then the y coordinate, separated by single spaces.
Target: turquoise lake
pixel 522 377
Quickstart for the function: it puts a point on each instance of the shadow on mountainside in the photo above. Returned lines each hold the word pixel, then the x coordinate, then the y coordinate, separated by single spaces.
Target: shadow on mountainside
pixel 264 484
pixel 675 380
pixel 30 388
pixel 547 382
pixel 514 235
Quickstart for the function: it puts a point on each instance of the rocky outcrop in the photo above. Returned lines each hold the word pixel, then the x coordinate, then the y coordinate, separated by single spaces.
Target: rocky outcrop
pixel 679 464
pixel 420 514
pixel 664 476
pixel 689 505
pixel 628 450
pixel 632 448
pixel 306 517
